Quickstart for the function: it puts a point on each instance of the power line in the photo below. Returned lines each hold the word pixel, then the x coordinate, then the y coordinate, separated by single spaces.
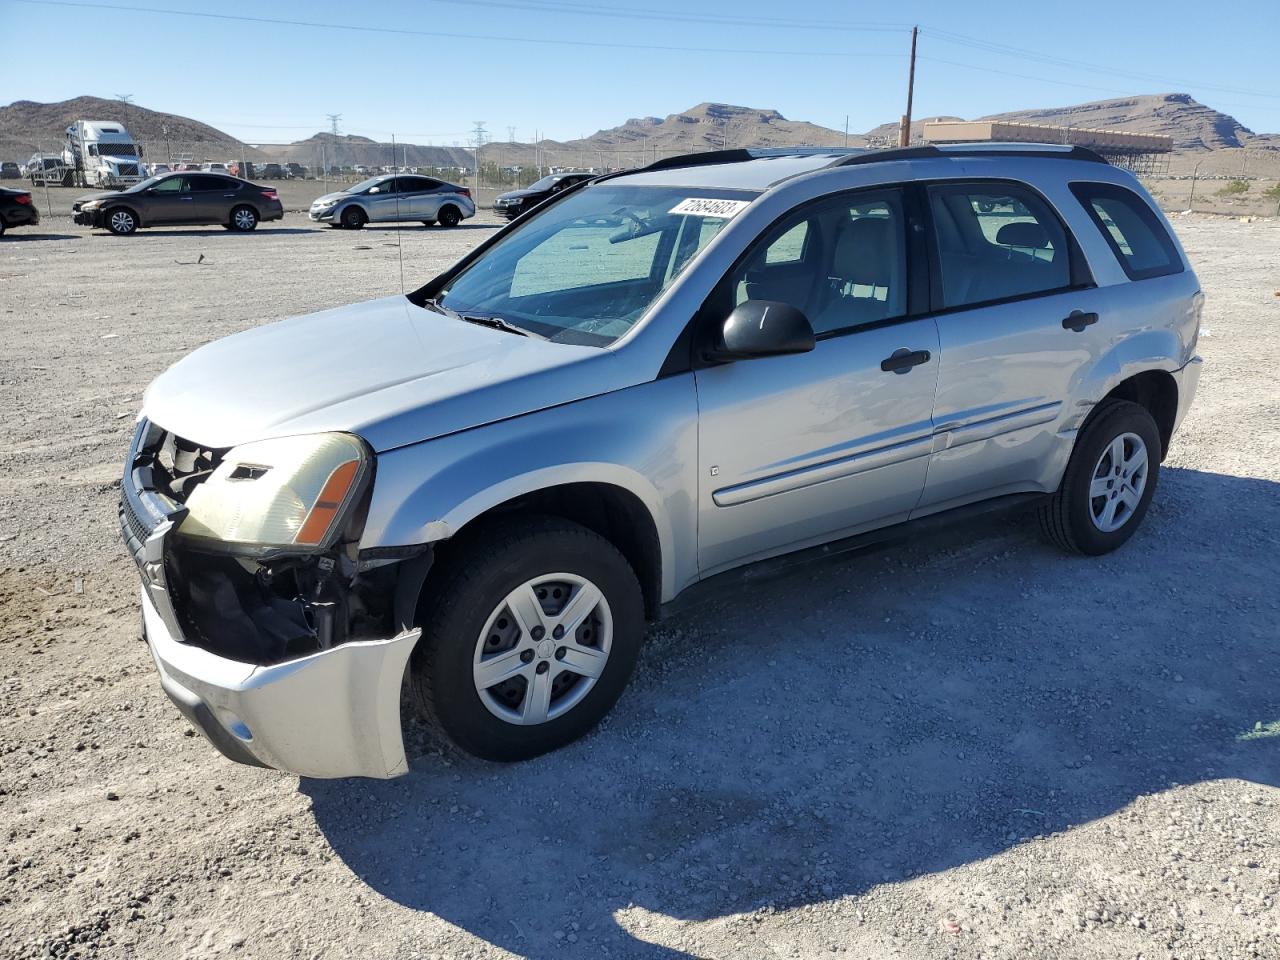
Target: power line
pixel 1022 53
pixel 437 34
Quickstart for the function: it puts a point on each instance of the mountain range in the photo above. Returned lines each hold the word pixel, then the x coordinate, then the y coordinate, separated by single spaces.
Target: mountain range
pixel 27 126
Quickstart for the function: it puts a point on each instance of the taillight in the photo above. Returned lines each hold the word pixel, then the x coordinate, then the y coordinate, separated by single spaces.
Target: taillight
pixel 465 192
pixel 271 194
pixel 23 198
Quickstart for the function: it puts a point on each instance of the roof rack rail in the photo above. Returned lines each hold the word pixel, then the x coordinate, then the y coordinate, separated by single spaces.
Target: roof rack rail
pixel 1051 150
pixel 698 159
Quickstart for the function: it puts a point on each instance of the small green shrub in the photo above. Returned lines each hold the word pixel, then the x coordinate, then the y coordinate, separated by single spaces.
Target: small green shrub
pixel 1234 189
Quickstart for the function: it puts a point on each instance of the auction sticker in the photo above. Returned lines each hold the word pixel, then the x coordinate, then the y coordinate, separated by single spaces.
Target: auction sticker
pixel 707 207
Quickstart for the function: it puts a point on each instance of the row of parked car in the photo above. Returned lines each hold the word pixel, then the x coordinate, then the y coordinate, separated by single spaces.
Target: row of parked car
pixel 211 194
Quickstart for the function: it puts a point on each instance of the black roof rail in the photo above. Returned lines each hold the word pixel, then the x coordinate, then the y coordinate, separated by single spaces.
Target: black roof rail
pixel 699 159
pixel 978 149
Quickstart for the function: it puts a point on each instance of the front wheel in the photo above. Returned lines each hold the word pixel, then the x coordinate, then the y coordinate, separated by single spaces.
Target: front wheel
pixel 1109 481
pixel 353 218
pixel 450 216
pixel 122 221
pixel 530 637
pixel 243 219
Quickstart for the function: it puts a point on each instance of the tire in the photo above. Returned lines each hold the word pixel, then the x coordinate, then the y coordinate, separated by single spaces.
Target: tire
pixel 1100 477
pixel 2 226
pixel 468 610
pixel 354 218
pixel 450 216
pixel 121 221
pixel 428 223
pixel 244 219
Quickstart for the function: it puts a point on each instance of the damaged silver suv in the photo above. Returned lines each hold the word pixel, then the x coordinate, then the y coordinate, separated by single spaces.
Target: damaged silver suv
pixel 486 487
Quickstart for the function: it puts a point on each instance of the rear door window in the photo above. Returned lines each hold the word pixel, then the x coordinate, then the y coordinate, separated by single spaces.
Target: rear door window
pixel 208 184
pixel 1131 228
pixel 995 242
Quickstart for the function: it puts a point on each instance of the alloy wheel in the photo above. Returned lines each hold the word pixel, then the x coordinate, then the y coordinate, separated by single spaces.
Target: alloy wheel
pixel 1118 479
pixel 245 220
pixel 542 649
pixel 122 221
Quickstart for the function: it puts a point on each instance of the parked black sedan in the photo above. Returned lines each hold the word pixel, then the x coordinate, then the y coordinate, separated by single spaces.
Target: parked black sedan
pixel 516 202
pixel 16 209
pixel 173 199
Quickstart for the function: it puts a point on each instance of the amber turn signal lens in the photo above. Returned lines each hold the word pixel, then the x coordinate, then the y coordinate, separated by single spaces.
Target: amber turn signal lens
pixel 335 490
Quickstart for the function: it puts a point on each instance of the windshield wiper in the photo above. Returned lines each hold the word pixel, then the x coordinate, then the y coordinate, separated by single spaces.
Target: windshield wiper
pixel 494 323
pixel 497 323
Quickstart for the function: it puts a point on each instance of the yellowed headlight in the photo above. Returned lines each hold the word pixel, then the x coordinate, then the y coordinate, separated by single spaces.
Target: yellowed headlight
pixel 279 493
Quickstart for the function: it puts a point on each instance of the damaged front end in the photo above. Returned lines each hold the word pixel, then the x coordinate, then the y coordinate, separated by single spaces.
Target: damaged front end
pixel 281 641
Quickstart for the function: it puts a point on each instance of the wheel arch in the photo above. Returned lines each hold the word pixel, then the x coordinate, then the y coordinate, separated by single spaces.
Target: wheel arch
pixel 1157 391
pixel 609 509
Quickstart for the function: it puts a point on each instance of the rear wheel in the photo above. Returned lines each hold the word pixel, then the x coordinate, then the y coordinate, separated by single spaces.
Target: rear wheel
pixel 450 216
pixel 2 227
pixel 121 221
pixel 529 638
pixel 353 218
pixel 244 219
pixel 1109 481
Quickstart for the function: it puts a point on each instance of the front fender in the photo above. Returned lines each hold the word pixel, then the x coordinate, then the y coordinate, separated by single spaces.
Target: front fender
pixel 642 440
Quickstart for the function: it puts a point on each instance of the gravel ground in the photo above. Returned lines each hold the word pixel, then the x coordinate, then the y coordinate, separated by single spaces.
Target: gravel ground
pixel 966 746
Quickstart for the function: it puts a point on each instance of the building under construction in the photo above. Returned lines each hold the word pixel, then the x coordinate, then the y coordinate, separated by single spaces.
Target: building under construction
pixel 1145 154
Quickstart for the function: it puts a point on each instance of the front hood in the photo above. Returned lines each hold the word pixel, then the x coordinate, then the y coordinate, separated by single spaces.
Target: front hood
pixel 386 370
pixel 518 195
pixel 100 195
pixel 331 196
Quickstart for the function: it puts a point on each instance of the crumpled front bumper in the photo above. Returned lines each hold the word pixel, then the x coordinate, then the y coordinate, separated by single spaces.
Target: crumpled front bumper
pixel 335 713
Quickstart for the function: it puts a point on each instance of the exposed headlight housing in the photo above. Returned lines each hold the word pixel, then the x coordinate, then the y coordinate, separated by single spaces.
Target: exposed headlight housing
pixel 91 205
pixel 290 494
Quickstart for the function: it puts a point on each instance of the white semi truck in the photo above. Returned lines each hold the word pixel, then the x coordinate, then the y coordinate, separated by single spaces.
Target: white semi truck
pixel 101 153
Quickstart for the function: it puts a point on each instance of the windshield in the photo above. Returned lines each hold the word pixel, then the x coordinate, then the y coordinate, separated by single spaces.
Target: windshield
pixel 149 182
pixel 364 185
pixel 585 269
pixel 546 183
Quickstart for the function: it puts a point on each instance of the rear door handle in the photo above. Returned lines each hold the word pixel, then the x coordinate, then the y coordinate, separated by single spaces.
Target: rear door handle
pixel 1077 320
pixel 902 360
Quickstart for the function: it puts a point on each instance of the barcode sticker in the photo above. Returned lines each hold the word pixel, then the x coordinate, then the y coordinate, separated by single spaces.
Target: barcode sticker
pixel 707 207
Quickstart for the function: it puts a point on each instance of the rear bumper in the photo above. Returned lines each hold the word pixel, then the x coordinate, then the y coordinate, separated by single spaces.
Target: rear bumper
pixel 332 714
pixel 24 215
pixel 1188 378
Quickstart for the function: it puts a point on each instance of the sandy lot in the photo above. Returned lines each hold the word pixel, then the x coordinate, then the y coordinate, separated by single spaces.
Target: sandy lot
pixel 967 746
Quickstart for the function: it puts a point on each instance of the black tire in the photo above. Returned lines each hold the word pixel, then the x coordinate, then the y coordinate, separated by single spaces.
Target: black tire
pixel 354 218
pixel 1067 517
pixel 2 226
pixel 428 223
pixel 243 219
pixel 460 600
pixel 450 216
pixel 121 221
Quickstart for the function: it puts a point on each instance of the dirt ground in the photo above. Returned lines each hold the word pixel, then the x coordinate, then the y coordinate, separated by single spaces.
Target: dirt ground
pixel 966 746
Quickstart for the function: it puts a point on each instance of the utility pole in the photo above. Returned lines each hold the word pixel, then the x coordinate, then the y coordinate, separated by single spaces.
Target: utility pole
pixel 478 135
pixel 904 133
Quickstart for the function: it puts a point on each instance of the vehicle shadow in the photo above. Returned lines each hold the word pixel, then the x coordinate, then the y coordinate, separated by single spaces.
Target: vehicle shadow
pixel 215 231
pixel 853 722
pixel 10 237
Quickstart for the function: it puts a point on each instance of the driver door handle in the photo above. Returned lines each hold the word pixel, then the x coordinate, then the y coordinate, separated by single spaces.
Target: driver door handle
pixel 1077 320
pixel 902 360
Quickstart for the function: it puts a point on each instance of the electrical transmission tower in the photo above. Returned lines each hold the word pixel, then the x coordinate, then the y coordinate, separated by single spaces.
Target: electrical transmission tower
pixel 479 137
pixel 333 122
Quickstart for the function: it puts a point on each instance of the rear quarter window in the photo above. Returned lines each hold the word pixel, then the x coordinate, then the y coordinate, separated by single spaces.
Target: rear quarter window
pixel 1131 228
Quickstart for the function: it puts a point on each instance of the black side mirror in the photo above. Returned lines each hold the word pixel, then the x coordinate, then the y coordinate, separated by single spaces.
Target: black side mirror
pixel 763 328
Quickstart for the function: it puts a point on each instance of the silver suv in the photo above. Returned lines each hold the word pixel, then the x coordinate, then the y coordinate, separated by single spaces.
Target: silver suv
pixel 487 487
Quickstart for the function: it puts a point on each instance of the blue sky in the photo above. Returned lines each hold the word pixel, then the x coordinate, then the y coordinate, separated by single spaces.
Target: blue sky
pixel 570 67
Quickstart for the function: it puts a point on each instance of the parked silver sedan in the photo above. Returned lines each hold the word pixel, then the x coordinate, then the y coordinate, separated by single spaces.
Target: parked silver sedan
pixel 489 485
pixel 395 198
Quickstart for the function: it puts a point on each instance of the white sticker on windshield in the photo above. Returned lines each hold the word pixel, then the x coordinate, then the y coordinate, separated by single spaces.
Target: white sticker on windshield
pixel 707 207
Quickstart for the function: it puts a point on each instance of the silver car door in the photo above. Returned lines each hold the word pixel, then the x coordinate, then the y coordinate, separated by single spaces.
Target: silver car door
pixel 798 450
pixel 383 206
pixel 1019 317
